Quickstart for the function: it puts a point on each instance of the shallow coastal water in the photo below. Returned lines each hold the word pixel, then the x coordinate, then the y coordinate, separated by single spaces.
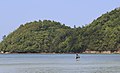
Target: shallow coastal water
pixel 59 63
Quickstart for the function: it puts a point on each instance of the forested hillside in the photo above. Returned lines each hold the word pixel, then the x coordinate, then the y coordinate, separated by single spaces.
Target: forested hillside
pixel 41 36
pixel 46 36
pixel 103 34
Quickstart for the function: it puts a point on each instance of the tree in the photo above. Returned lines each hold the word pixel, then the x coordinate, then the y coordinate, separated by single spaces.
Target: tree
pixel 4 37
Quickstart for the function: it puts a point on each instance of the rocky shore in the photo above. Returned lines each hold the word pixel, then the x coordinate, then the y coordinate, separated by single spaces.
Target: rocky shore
pixel 102 52
pixel 86 52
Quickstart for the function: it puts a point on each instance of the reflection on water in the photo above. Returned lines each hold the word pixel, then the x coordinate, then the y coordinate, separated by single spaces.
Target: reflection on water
pixel 59 63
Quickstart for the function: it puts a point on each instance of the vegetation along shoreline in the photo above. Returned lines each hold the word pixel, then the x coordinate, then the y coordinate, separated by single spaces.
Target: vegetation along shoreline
pixel 46 36
pixel 86 52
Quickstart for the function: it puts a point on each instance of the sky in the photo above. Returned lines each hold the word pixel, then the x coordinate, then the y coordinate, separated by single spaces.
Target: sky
pixel 13 13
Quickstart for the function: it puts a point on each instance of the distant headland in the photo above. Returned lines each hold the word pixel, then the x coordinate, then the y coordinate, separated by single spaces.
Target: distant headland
pixel 100 36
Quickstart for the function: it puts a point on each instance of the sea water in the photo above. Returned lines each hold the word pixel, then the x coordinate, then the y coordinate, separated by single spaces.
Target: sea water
pixel 59 63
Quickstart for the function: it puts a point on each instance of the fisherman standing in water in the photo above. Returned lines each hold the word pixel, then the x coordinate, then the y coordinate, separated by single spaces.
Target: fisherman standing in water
pixel 77 56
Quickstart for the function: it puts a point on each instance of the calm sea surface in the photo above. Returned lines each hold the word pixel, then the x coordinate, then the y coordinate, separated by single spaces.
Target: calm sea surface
pixel 59 63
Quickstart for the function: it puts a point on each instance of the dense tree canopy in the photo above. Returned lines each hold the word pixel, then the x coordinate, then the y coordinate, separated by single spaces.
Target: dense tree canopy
pixel 46 36
pixel 41 36
pixel 104 32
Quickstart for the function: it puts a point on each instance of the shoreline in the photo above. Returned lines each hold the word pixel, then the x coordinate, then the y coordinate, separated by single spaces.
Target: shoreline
pixel 59 53
pixel 85 52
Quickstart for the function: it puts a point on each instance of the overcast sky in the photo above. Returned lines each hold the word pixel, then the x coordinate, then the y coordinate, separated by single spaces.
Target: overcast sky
pixel 13 13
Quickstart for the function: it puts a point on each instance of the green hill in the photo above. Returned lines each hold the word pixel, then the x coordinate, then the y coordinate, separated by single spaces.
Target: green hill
pixel 46 36
pixel 103 34
pixel 39 37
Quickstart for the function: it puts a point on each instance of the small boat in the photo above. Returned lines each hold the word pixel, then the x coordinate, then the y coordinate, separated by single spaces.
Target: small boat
pixel 77 56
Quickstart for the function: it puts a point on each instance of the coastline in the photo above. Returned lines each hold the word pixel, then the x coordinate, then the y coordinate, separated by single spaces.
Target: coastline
pixel 102 52
pixel 86 52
